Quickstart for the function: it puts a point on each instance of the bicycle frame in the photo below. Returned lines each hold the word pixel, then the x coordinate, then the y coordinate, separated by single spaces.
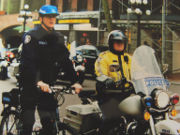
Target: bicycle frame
pixel 17 110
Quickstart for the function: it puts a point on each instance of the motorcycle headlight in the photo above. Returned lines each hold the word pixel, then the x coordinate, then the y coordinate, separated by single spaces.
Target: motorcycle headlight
pixel 161 99
pixel 79 58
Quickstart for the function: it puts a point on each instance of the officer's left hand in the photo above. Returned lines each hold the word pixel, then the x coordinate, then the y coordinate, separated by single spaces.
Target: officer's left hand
pixel 77 87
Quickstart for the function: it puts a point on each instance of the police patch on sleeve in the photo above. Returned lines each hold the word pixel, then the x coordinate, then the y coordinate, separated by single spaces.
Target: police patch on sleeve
pixel 27 39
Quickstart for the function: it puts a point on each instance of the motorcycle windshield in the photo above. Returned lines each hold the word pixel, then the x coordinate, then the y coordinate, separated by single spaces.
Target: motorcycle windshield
pixel 145 72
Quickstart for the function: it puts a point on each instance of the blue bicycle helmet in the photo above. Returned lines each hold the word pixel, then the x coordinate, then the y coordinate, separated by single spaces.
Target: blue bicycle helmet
pixel 48 10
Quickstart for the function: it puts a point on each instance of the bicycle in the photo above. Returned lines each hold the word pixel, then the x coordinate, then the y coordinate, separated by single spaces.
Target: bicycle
pixel 11 123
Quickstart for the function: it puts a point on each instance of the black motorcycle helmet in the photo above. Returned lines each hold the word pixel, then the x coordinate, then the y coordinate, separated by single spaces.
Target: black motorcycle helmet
pixel 116 35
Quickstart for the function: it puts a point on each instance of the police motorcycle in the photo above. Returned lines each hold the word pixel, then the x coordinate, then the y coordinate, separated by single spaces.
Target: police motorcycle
pixel 79 66
pixel 13 69
pixel 6 60
pixel 78 62
pixel 148 111
pixel 153 102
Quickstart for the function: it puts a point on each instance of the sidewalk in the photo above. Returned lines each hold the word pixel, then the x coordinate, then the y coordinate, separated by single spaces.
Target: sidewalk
pixel 174 78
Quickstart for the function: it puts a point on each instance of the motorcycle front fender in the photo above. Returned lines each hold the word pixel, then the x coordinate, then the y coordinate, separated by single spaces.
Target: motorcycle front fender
pixel 169 127
pixel 80 68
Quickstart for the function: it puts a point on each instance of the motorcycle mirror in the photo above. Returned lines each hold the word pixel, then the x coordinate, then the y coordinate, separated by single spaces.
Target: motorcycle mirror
pixel 165 68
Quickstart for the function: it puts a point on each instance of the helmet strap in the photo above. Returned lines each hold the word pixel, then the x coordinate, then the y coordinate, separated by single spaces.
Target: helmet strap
pixel 48 28
pixel 111 48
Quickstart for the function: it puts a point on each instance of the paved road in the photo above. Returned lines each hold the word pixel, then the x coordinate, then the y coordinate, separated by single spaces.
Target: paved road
pixel 89 84
pixel 73 99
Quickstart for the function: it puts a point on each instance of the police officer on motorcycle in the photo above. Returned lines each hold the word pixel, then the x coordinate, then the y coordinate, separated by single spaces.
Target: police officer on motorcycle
pixel 42 54
pixel 113 72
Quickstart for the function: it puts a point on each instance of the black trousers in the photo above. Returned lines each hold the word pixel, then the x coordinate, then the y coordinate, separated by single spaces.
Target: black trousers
pixel 110 112
pixel 47 119
pixel 46 106
pixel 110 115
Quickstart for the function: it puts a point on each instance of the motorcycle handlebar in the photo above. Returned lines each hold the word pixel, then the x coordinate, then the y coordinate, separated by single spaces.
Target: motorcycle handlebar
pixel 117 91
pixel 60 89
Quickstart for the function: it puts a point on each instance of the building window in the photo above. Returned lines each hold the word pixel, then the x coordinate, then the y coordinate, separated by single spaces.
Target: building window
pixel 157 7
pixel 82 5
pixel 174 7
pixel 34 5
pixel 53 2
pixel 116 9
pixel 67 5
pixel 96 5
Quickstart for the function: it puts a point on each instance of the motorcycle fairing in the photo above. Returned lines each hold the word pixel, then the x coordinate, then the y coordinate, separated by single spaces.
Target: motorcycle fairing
pixel 145 72
pixel 169 127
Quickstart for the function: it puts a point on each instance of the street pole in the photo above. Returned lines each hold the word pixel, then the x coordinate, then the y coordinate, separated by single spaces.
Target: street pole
pixel 2 5
pixel 21 4
pixel 128 30
pixel 163 32
pixel 8 5
pixel 107 15
pixel 138 30
pixel 99 24
pixel 24 24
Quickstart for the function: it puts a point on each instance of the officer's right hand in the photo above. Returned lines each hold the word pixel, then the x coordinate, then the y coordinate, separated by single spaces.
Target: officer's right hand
pixel 44 86
pixel 109 83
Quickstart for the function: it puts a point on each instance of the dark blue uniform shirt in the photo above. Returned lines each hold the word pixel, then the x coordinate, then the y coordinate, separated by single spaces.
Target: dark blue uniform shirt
pixel 41 56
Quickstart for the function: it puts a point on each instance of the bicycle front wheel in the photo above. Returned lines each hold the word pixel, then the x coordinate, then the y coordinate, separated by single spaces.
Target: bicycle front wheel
pixel 10 125
pixel 65 129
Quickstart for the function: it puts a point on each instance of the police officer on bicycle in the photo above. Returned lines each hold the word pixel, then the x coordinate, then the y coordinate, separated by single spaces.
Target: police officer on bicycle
pixel 42 55
pixel 113 72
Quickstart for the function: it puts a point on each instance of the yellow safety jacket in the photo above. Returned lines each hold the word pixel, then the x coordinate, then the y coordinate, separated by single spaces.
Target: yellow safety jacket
pixel 108 64
pixel 69 46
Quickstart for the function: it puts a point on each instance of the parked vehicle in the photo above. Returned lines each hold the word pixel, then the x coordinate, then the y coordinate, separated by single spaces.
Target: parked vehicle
pixel 12 54
pixel 9 59
pixel 90 53
pixel 13 68
pixel 3 68
pixel 149 111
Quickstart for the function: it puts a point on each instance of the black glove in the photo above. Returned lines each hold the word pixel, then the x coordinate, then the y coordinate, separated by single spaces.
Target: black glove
pixel 102 85
pixel 109 83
